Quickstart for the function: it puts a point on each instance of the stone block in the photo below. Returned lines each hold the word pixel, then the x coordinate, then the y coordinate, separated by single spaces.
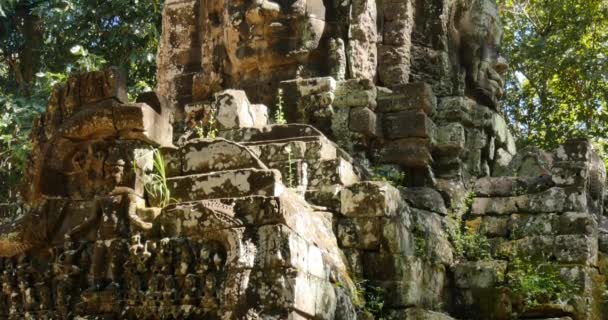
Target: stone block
pixel 355 93
pixel 206 156
pixel 97 86
pixel 364 120
pixel 429 229
pixel 425 198
pixel 512 186
pixel 450 139
pixel 331 172
pixel 551 200
pixel 397 237
pixel 141 122
pixel 394 64
pixel 233 110
pixel 411 96
pixel 224 184
pixel 407 124
pixel 480 274
pixel 359 233
pixel 412 153
pixel 260 115
pixel 490 226
pixel 422 285
pixel 370 199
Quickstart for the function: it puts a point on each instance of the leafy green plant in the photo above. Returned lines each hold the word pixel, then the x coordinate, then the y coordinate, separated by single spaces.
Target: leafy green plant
pixel 419 243
pixel 155 182
pixel 369 299
pixel 290 177
pixel 388 174
pixel 468 243
pixel 537 284
pixel 279 115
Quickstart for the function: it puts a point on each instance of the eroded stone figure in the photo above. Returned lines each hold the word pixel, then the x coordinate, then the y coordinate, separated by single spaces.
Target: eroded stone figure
pixel 477 34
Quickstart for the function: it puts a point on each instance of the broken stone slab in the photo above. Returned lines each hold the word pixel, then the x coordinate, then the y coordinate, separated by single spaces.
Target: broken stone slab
pixel 142 122
pixel 224 184
pixel 409 152
pixel 425 198
pixel 370 199
pixel 411 96
pixel 552 200
pixel 270 133
pixel 407 124
pixel 311 149
pixel 233 110
pixel 512 186
pixel 205 156
pixel 480 274
pixel 528 162
pixel 96 86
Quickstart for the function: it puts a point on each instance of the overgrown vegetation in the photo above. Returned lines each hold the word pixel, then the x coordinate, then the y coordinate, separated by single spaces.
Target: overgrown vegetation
pixel 369 299
pixel 155 182
pixel 390 174
pixel 42 41
pixel 558 54
pixel 537 284
pixel 279 114
pixel 468 242
pixel 290 173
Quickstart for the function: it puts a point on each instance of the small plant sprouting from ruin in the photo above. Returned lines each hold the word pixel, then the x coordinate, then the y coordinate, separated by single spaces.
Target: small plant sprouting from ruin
pixel 419 243
pixel 155 182
pixel 279 114
pixel 537 284
pixel 469 243
pixel 290 174
pixel 389 174
pixel 369 299
pixel 207 129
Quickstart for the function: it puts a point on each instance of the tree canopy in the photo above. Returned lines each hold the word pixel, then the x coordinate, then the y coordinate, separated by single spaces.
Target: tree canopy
pixel 558 84
pixel 41 41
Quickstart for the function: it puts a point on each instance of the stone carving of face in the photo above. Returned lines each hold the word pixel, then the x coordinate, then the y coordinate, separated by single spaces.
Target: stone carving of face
pixel 262 35
pixel 478 32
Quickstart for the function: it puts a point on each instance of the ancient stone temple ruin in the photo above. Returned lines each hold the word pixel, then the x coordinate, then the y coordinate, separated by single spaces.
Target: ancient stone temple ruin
pixel 305 159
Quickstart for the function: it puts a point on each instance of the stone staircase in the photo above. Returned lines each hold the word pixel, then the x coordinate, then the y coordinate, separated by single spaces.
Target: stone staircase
pixel 275 242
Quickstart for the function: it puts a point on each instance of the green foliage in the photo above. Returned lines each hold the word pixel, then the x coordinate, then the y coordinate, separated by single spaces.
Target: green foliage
pixel 389 174
pixel 468 243
pixel 290 176
pixel 155 182
pixel 537 284
pixel 419 243
pixel 558 54
pixel 279 115
pixel 369 299
pixel 43 41
pixel 206 130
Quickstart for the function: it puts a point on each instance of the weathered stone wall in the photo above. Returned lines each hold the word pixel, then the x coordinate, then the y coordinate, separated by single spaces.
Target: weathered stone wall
pixel 254 220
